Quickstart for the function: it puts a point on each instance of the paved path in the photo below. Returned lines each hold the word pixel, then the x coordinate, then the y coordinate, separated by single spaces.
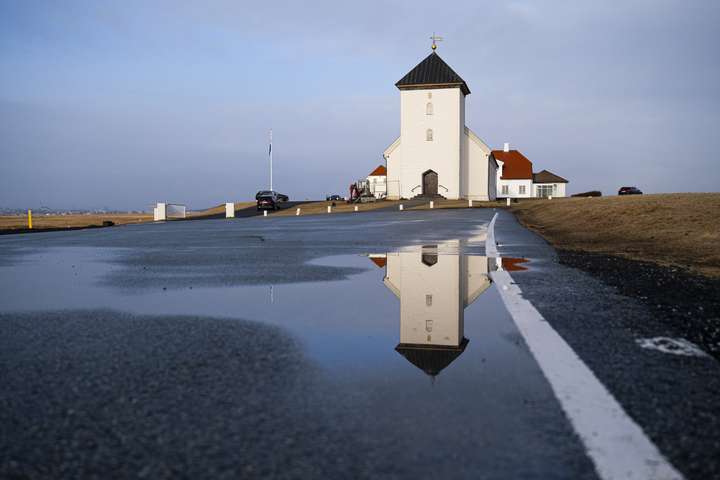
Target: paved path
pixel 266 348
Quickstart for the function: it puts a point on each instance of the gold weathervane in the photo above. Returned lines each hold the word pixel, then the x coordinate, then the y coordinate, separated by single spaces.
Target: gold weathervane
pixel 435 39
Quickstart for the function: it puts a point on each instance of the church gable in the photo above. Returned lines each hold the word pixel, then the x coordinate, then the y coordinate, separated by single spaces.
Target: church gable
pixel 432 72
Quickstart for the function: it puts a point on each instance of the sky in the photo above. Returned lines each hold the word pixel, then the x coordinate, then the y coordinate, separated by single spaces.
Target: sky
pixel 122 104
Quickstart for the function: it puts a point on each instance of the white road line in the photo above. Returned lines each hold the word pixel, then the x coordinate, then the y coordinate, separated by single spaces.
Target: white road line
pixel 617 445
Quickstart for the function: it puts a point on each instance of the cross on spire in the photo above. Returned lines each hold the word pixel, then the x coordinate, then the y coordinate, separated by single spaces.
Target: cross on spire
pixel 435 39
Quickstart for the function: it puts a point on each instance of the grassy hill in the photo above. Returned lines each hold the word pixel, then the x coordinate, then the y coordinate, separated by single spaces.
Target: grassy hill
pixel 678 229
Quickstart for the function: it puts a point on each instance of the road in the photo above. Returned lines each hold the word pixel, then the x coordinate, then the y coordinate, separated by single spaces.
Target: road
pixel 355 346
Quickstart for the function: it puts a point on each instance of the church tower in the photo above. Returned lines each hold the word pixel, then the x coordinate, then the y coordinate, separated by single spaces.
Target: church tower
pixel 436 154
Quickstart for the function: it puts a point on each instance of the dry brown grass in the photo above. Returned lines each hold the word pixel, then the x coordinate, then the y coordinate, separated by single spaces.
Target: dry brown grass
pixel 316 208
pixel 455 204
pixel 679 229
pixel 13 222
pixel 220 209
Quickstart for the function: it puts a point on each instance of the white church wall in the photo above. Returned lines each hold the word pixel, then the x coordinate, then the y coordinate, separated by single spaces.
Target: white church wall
pixel 441 154
pixel 478 174
pixel 393 159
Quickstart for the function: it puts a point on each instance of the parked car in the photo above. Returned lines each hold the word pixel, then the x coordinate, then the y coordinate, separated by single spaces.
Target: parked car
pixel 263 193
pixel 268 202
pixel 333 198
pixel 629 191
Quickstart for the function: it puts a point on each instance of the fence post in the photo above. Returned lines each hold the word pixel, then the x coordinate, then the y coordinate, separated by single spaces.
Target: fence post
pixel 507 201
pixel 470 203
pixel 401 207
pixel 297 212
pixel 356 208
pixel 264 213
pixel 432 204
pixel 30 219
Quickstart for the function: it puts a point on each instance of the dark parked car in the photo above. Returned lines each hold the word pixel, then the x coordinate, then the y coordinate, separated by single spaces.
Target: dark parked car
pixel 629 191
pixel 264 193
pixel 333 198
pixel 268 202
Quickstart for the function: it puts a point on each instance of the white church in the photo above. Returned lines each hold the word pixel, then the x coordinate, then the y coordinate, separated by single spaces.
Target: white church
pixel 437 155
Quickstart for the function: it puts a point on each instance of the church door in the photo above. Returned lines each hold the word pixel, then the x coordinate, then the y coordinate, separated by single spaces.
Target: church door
pixel 430 183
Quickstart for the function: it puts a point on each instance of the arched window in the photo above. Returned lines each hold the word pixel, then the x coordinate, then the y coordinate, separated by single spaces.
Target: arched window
pixel 429 135
pixel 429 109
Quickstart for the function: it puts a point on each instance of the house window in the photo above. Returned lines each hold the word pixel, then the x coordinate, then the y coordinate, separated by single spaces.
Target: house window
pixel 429 135
pixel 505 189
pixel 429 109
pixel 522 189
pixel 544 190
pixel 428 300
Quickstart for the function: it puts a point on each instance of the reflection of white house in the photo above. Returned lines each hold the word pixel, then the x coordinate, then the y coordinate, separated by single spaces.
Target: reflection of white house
pixel 515 177
pixel 434 291
pixel 377 182
pixel 436 154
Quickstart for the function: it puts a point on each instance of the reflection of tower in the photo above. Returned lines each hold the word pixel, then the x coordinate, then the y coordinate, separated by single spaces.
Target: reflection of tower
pixel 433 291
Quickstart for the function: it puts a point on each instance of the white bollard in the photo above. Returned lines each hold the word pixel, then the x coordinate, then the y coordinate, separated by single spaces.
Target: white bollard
pixel 356 208
pixel 264 213
pixel 507 200
pixel 401 207
pixel 297 212
pixel 229 210
pixel 329 208
pixel 470 203
pixel 549 197
pixel 432 204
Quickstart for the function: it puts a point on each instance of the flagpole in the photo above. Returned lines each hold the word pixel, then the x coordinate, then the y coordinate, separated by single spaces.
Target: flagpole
pixel 271 186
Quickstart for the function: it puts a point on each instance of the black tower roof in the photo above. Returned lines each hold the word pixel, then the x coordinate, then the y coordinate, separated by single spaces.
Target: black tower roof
pixel 432 72
pixel 431 359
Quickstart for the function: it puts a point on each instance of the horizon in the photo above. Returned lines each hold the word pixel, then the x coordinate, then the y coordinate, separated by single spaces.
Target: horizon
pixel 125 105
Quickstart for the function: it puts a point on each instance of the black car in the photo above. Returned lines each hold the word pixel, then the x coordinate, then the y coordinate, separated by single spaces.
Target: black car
pixel 333 198
pixel 263 193
pixel 268 202
pixel 629 191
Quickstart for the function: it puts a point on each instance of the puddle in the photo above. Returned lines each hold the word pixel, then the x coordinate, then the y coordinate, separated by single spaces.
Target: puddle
pixel 414 341
pixel 406 310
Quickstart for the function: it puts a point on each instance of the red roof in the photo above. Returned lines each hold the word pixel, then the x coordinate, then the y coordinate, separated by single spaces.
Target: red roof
pixel 379 261
pixel 515 165
pixel 379 171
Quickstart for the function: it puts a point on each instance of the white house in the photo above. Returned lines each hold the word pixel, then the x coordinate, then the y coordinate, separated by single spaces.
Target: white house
pixel 436 154
pixel 515 177
pixel 378 181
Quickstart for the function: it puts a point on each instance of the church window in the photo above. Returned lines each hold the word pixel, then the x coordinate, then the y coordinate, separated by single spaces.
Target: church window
pixel 429 109
pixel 429 135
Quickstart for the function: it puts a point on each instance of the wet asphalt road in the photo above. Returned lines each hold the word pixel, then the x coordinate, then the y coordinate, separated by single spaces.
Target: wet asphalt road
pixel 153 376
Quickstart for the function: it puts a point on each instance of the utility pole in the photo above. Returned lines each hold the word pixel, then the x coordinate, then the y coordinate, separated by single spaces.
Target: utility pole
pixel 270 153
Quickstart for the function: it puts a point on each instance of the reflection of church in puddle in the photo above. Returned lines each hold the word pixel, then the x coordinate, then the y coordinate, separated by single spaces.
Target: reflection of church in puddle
pixel 434 291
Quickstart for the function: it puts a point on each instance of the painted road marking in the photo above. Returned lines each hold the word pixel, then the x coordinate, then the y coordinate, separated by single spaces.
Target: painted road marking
pixel 617 445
